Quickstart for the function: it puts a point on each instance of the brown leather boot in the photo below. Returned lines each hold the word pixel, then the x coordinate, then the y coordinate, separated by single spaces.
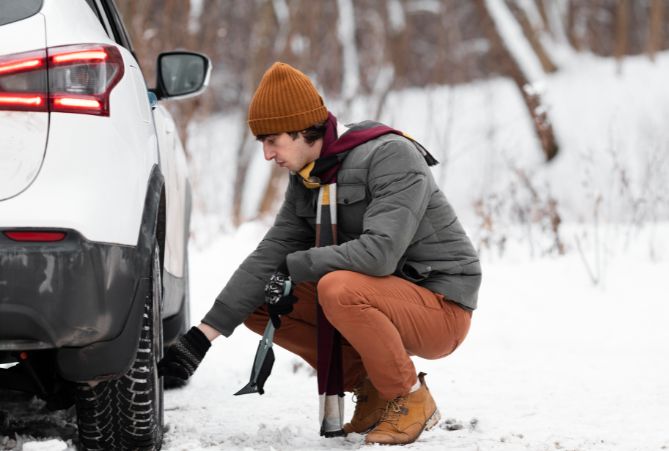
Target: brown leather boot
pixel 369 407
pixel 406 417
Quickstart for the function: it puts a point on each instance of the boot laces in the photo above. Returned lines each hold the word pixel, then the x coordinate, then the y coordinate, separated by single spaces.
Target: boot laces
pixel 394 409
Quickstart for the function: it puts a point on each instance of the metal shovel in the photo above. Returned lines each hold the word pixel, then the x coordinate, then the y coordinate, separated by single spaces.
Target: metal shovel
pixel 262 364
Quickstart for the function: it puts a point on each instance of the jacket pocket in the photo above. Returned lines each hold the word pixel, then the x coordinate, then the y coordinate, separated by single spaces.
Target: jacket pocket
pixel 414 271
pixel 350 194
pixel 351 207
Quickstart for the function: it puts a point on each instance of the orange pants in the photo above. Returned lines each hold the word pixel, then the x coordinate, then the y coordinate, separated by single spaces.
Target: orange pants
pixel 383 320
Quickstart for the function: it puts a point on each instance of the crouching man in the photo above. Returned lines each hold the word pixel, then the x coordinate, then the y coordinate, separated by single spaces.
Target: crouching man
pixel 402 279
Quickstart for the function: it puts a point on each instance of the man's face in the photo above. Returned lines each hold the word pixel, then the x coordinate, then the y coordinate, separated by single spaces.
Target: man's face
pixel 290 153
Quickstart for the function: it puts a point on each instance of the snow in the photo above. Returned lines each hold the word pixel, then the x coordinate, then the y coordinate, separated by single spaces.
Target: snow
pixel 512 35
pixel 565 352
pixel 196 8
pixel 550 359
pixel 47 445
pixel 551 362
pixel 624 158
pixel 283 18
pixel 428 6
pixel 346 34
pixel 395 15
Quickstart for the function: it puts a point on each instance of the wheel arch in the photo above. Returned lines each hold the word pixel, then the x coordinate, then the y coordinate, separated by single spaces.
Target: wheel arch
pixel 161 227
pixel 112 358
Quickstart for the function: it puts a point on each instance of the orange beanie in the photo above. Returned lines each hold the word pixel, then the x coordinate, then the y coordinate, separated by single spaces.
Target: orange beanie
pixel 285 101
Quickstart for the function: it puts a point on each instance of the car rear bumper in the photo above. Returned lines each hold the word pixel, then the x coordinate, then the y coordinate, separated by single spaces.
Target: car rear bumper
pixel 83 298
pixel 69 293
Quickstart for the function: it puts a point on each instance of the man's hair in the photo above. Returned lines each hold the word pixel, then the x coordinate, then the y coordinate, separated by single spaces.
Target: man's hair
pixel 311 134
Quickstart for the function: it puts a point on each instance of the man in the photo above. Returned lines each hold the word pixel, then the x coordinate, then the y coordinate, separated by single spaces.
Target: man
pixel 402 281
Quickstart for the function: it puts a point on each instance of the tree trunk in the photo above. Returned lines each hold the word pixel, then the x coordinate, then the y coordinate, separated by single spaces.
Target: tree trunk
pixel 261 51
pixel 273 191
pixel 511 67
pixel 346 35
pixel 622 32
pixel 555 16
pixel 398 42
pixel 532 33
pixel 655 36
pixel 544 14
pixel 574 26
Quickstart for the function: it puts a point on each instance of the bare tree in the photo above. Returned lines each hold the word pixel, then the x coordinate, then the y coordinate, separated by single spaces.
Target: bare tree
pixel 622 32
pixel 655 35
pixel 511 66
pixel 378 48
pixel 532 23
pixel 262 47
pixel 575 26
pixel 554 15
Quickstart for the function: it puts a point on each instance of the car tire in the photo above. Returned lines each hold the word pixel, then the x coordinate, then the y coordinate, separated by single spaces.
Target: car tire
pixel 127 413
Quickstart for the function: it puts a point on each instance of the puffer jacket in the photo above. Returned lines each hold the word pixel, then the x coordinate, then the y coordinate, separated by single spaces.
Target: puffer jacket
pixel 392 219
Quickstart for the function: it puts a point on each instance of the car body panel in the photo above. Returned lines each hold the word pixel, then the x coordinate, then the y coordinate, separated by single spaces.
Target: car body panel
pixel 173 165
pixel 94 183
pixel 72 22
pixel 117 185
pixel 31 31
pixel 99 155
pixel 24 133
pixel 110 156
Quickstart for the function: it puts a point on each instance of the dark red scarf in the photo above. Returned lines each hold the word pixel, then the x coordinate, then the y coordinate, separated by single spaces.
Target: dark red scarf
pixel 334 148
pixel 323 173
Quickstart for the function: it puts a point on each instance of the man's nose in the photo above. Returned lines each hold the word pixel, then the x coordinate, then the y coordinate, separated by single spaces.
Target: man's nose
pixel 268 153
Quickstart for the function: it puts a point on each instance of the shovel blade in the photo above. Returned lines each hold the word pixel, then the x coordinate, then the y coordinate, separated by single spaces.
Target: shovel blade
pixel 259 375
pixel 248 388
pixel 265 370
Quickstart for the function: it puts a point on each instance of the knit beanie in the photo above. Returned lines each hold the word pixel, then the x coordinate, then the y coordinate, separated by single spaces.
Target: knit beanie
pixel 285 101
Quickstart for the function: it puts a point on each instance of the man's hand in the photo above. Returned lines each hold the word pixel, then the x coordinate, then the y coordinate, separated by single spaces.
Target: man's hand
pixel 183 357
pixel 279 297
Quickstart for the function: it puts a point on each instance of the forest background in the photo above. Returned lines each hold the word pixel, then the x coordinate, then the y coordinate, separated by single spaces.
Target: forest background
pixel 542 112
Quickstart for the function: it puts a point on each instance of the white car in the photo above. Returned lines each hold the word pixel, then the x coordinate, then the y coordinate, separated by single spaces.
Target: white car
pixel 94 216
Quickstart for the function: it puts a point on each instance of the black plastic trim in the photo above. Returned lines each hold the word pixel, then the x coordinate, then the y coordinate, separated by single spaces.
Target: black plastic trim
pixel 84 298
pixel 107 359
pixel 113 358
pixel 120 34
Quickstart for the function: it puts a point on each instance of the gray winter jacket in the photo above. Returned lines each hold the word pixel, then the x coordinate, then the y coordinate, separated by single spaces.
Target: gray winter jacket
pixel 392 219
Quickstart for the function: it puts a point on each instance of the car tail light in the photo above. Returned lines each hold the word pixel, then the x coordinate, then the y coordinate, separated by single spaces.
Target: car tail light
pixel 35 236
pixel 69 79
pixel 23 82
pixel 82 77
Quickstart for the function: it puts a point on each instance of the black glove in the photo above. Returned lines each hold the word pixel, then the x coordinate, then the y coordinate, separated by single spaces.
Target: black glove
pixel 279 297
pixel 183 357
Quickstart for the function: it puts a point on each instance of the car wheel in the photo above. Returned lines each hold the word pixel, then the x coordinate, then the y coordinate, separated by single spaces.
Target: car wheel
pixel 127 413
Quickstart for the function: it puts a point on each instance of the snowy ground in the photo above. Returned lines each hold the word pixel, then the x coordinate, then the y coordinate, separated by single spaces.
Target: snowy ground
pixel 552 362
